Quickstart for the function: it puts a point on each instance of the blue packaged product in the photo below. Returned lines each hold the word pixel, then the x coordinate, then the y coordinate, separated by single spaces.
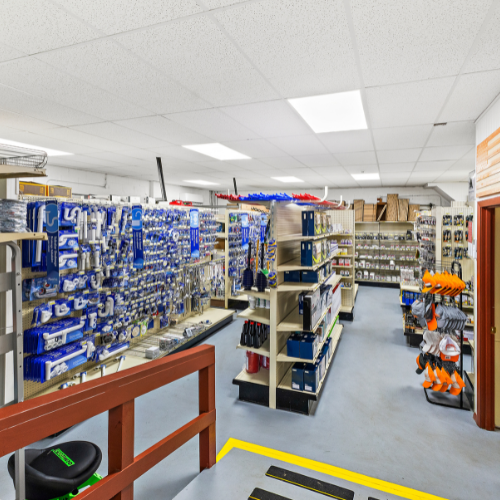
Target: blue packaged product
pixel 298 376
pixel 311 377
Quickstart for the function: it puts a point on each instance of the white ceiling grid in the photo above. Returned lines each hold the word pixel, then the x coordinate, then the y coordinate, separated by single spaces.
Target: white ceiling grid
pixel 118 83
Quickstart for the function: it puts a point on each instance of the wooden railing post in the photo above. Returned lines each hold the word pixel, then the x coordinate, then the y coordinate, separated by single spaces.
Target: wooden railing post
pixel 121 443
pixel 206 389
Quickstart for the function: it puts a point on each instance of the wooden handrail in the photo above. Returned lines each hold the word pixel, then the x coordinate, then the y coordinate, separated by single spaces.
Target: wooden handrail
pixel 27 422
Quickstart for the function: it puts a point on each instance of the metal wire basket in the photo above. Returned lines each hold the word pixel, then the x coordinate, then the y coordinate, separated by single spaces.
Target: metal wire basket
pixel 22 157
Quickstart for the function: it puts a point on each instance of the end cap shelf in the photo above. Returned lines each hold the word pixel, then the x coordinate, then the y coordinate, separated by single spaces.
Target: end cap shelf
pixel 5 237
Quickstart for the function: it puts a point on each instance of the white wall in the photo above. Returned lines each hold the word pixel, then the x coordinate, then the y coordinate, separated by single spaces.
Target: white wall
pixel 84 182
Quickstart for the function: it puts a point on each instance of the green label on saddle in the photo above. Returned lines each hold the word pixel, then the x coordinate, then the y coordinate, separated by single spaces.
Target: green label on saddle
pixel 62 456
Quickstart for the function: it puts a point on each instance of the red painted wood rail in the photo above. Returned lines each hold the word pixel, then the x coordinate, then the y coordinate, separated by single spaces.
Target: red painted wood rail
pixel 25 423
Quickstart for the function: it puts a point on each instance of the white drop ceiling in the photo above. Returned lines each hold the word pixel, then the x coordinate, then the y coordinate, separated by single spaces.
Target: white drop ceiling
pixel 119 82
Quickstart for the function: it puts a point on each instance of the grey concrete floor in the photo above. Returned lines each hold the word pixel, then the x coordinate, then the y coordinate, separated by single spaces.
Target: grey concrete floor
pixel 372 418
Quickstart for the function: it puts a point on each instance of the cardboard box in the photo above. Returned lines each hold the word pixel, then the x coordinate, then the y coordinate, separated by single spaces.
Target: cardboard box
pixel 312 310
pixel 306 253
pixel 298 376
pixel 292 276
pixel 403 209
pixel 311 378
pixel 308 346
pixel 59 192
pixel 370 212
pixel 412 212
pixel 308 223
pixel 358 210
pixel 392 208
pixel 32 189
pixel 293 345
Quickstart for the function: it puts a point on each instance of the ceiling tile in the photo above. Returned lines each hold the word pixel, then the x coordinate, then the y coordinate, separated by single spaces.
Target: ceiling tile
pixel 214 4
pixel 294 45
pixel 300 145
pixel 26 104
pixel 41 141
pixel 413 103
pixel 347 142
pixel 401 137
pixel 424 39
pixel 421 178
pixel 108 65
pixel 329 172
pixel 397 167
pixel 486 50
pixel 433 165
pixel 444 153
pixel 197 54
pixel 23 122
pixel 325 160
pixel 114 132
pixel 269 119
pixel 7 53
pixel 283 162
pixel 399 155
pixel 164 129
pixel 360 158
pixel 219 166
pixel 213 124
pixel 65 89
pixel 362 169
pixel 255 148
pixel 453 134
pixel 84 139
pixel 115 16
pixel 37 25
pixel 471 96
pixel 180 153
pixel 250 165
pixel 394 179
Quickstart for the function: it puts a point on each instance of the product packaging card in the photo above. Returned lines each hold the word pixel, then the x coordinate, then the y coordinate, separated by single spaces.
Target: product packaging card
pixel 298 376
pixel 137 237
pixel 194 223
pixel 263 225
pixel 311 378
pixel 245 231
pixel 52 227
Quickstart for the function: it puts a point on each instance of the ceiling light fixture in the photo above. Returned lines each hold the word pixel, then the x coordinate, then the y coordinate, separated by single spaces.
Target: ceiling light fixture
pixel 217 151
pixel 50 152
pixel 203 183
pixel 332 112
pixel 287 179
pixel 366 177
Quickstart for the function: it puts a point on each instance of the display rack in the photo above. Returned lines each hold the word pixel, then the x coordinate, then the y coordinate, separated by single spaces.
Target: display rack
pixel 272 387
pixel 216 319
pixel 385 248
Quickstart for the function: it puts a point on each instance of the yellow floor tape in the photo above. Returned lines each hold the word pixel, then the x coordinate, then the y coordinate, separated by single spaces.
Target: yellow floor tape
pixel 331 470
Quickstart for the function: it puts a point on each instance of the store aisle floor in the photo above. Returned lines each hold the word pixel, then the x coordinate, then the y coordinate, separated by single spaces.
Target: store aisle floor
pixel 372 418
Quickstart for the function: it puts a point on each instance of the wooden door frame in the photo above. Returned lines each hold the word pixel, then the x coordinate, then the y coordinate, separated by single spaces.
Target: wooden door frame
pixel 485 341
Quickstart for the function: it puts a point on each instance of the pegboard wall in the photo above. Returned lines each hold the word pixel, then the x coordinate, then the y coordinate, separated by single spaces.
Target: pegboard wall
pixel 31 388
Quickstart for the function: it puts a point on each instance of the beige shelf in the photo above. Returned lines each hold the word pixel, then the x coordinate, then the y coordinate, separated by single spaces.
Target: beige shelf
pixel 472 344
pixel 409 288
pixel 309 287
pixel 286 382
pixel 337 265
pixel 242 297
pixel 299 237
pixel 257 315
pixel 294 265
pixel 356 288
pixel 15 172
pixel 254 293
pixel 346 309
pixel 5 237
pixel 259 378
pixel 263 351
pixel 221 236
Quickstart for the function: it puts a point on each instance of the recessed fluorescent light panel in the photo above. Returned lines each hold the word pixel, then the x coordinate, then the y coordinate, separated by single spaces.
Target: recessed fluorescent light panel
pixel 366 177
pixel 203 183
pixel 50 152
pixel 332 112
pixel 287 179
pixel 217 151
